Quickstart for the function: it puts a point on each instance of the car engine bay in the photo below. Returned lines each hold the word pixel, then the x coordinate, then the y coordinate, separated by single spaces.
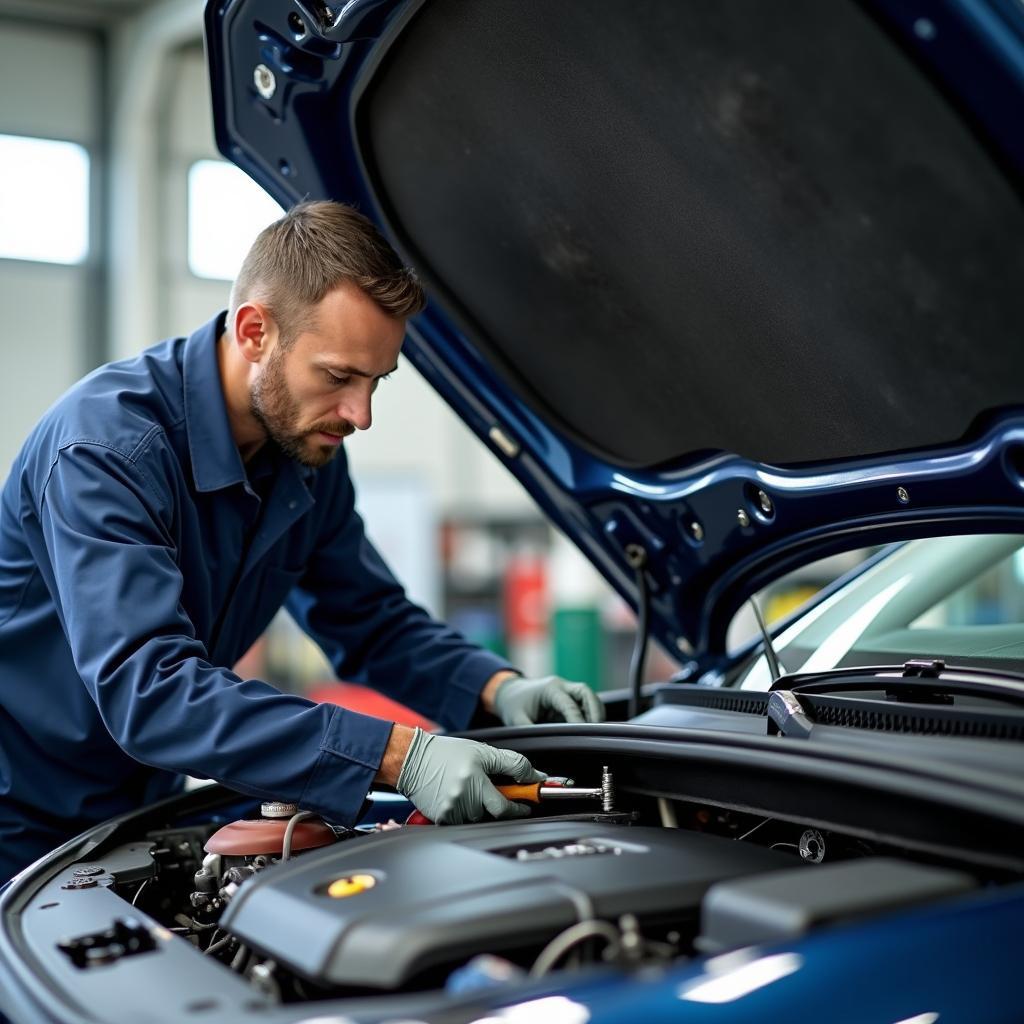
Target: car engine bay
pixel 282 909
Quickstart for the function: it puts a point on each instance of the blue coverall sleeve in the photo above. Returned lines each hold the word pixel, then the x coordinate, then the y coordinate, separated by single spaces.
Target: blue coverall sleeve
pixel 110 565
pixel 351 604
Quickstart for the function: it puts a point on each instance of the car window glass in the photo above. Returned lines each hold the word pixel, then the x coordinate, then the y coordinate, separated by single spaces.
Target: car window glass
pixel 995 597
pixel 793 592
pixel 960 599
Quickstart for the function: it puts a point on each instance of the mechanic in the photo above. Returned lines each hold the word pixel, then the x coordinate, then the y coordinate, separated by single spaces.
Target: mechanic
pixel 161 513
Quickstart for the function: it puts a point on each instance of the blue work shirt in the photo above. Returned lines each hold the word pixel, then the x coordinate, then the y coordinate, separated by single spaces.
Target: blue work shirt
pixel 139 559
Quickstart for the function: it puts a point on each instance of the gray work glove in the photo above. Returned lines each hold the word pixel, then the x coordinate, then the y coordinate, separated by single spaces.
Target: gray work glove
pixel 447 779
pixel 549 699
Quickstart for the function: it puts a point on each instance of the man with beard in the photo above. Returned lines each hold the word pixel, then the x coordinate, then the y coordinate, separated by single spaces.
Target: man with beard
pixel 160 514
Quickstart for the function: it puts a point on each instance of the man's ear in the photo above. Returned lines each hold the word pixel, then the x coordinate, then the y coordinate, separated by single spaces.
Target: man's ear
pixel 255 331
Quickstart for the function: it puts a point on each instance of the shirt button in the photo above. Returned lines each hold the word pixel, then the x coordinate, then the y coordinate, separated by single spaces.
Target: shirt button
pixel 292 504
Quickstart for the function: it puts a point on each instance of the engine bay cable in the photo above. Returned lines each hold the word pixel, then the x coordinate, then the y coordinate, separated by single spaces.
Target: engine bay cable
pixel 286 844
pixel 750 832
pixel 138 892
pixel 216 947
pixel 572 936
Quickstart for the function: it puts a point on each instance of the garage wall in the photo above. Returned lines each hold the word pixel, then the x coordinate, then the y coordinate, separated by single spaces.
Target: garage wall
pixel 186 136
pixel 52 313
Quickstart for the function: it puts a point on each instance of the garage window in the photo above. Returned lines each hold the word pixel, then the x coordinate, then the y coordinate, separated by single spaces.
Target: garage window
pixel 44 200
pixel 226 211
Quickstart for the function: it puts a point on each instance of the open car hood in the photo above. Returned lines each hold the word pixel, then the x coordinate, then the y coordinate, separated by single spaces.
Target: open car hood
pixel 725 286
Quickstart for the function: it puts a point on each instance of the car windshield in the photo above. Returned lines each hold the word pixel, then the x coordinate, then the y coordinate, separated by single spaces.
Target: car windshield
pixel 960 599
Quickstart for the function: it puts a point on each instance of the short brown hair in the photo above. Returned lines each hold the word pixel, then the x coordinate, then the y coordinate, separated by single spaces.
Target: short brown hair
pixel 312 249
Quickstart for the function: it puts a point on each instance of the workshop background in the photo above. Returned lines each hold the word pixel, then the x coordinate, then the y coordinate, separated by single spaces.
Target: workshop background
pixel 121 225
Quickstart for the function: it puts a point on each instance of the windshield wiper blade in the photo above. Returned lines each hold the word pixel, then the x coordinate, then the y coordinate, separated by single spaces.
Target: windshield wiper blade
pixel 918 681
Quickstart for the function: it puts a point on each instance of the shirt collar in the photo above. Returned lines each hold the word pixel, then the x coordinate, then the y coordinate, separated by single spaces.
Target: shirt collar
pixel 216 461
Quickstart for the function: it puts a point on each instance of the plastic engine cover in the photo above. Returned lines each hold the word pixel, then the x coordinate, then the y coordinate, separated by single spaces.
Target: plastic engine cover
pixel 410 900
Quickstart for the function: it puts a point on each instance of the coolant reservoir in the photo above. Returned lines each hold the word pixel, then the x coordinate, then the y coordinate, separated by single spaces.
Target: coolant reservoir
pixel 252 836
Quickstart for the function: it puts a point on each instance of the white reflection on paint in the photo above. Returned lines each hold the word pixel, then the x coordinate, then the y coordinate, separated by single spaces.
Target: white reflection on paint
pixel 835 648
pixel 735 982
pixel 339 1020
pixel 550 1010
pixel 921 1018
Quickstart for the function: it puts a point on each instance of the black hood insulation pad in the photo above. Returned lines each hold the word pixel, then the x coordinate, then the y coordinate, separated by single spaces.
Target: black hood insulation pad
pixel 686 227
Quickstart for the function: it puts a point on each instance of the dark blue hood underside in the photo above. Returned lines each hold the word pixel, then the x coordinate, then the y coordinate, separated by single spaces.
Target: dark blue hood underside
pixel 671 248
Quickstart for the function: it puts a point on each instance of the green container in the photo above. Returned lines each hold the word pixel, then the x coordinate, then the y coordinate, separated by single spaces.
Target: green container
pixel 577 645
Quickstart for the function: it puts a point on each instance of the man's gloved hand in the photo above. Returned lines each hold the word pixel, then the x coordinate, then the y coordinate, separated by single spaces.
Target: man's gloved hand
pixel 549 699
pixel 447 779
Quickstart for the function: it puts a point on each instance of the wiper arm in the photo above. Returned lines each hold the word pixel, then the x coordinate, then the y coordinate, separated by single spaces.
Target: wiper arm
pixel 774 665
pixel 917 681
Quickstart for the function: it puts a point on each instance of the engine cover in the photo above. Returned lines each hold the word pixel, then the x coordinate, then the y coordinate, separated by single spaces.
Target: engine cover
pixel 379 910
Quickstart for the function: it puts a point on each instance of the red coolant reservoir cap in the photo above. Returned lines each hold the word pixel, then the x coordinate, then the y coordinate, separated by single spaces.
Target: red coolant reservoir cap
pixel 266 835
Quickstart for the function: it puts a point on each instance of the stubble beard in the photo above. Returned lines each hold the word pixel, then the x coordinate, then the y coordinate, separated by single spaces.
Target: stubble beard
pixel 274 407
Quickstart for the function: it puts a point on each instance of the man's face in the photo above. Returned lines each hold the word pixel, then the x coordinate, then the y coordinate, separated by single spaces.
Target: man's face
pixel 311 396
